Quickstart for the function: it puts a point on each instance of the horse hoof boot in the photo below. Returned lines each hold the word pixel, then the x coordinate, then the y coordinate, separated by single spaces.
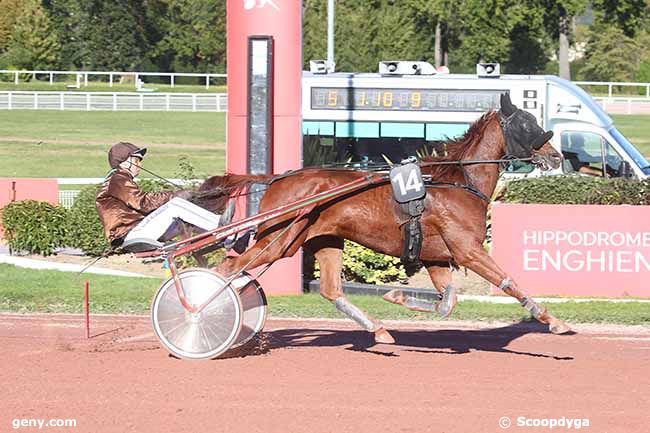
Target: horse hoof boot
pixel 448 303
pixel 395 296
pixel 558 327
pixel 382 336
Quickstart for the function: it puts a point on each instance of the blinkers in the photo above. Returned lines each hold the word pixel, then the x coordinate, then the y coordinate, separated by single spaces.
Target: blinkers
pixel 520 129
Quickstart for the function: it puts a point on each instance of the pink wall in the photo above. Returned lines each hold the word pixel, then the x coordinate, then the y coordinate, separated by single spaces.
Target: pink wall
pixel 281 19
pixel 573 250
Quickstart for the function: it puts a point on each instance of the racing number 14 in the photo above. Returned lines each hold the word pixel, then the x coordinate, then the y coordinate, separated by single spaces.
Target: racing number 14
pixel 413 182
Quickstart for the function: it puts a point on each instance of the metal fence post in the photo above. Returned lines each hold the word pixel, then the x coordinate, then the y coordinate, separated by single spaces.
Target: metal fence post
pixel 141 102
pixel 88 101
pixel 86 79
pixel 110 79
pixel 9 107
pixel 207 81
pixel 193 102
pixel 51 78
pixel 609 89
pixel 172 80
pixel 35 100
pixel 61 103
pixel 114 101
pixel 167 102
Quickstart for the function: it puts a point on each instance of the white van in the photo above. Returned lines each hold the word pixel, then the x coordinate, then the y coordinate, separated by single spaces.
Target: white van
pixel 404 110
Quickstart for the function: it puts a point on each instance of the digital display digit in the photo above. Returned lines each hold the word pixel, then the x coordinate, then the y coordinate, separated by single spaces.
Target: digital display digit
pixel 348 98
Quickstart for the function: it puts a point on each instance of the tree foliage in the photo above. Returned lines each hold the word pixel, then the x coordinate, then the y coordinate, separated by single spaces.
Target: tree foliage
pixel 190 35
pixel 33 43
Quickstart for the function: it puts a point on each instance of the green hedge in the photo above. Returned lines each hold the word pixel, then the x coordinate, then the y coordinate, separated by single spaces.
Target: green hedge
pixel 35 227
pixel 576 189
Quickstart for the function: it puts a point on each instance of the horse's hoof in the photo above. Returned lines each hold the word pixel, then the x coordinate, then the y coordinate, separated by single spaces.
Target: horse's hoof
pixel 395 296
pixel 448 303
pixel 383 337
pixel 558 327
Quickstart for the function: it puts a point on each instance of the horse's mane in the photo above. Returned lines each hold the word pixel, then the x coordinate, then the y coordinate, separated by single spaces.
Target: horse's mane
pixel 214 193
pixel 457 149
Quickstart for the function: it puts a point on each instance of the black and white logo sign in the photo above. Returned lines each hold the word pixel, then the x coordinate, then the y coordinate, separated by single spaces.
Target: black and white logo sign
pixel 407 184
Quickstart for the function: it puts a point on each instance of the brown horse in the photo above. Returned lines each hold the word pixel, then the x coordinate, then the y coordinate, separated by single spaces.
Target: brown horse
pixel 453 222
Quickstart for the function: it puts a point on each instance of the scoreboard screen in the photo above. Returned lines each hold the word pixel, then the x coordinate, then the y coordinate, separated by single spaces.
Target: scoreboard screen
pixel 391 99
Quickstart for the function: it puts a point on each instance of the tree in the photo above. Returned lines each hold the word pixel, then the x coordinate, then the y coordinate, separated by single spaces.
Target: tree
pixel 558 19
pixel 195 35
pixel 33 43
pixel 611 55
pixel 627 15
pixel 10 12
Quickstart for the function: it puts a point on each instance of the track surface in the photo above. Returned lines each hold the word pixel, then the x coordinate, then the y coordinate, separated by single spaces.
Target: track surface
pixel 323 376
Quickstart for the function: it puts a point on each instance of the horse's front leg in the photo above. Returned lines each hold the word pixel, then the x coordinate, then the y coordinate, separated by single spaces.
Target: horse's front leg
pixel 440 275
pixel 329 253
pixel 478 260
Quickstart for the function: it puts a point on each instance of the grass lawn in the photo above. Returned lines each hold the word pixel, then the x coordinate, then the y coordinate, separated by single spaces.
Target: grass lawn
pixel 636 128
pixel 24 290
pixel 74 143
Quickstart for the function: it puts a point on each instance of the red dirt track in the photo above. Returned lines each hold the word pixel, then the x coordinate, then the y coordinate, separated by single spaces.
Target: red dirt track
pixel 323 376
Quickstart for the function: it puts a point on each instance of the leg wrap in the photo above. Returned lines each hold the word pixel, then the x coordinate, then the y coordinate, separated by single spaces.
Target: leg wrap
pixel 532 307
pixel 354 313
pixel 505 283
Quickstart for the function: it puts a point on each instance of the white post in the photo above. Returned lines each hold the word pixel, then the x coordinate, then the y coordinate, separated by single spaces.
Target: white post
pixel 110 79
pixel 207 81
pixel 137 78
pixel 629 106
pixel 141 101
pixel 16 78
pixel 330 36
pixel 86 79
pixel 609 90
pixel 35 100
pixel 61 103
pixel 114 101
pixel 9 107
pixel 51 78
pixel 167 102
pixel 88 101
pixel 216 100
pixel 172 80
pixel 193 102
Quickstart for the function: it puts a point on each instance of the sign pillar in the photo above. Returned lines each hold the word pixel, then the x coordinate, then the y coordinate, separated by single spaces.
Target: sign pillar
pixel 279 143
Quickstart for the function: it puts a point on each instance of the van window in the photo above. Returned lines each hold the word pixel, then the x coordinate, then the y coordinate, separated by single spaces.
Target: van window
pixel 589 153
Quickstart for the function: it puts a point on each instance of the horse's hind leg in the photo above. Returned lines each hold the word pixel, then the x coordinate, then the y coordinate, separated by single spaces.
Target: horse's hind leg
pixel 479 261
pixel 440 275
pixel 329 253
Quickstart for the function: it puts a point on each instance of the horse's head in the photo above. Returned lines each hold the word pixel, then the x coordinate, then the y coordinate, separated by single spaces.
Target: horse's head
pixel 525 138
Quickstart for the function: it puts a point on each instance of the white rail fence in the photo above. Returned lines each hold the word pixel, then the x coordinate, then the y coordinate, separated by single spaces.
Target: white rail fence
pixel 613 85
pixel 620 105
pixel 120 101
pixel 83 75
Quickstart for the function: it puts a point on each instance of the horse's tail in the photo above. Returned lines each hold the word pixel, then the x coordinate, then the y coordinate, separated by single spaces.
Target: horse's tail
pixel 216 191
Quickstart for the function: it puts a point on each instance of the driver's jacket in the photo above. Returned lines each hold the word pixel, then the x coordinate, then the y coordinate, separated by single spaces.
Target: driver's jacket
pixel 122 205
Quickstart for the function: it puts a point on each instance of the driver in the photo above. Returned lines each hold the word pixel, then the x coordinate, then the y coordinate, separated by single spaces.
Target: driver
pixel 575 150
pixel 138 220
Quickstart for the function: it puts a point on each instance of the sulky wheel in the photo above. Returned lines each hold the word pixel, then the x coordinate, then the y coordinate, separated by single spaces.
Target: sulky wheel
pixel 203 335
pixel 254 306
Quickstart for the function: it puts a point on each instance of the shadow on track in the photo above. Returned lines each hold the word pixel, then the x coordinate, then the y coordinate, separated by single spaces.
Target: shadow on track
pixel 450 342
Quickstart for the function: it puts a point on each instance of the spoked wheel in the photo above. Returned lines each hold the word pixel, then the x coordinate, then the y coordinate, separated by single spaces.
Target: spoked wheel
pixel 203 335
